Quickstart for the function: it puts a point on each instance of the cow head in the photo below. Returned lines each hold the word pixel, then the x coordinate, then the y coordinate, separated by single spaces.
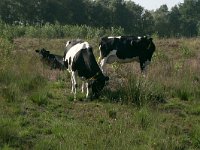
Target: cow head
pixel 97 85
pixel 147 43
pixel 43 53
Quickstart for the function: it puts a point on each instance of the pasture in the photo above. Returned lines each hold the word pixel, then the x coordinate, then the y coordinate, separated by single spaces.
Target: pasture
pixel 160 111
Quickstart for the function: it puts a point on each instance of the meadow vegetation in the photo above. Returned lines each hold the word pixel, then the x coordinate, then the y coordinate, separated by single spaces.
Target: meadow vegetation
pixel 159 111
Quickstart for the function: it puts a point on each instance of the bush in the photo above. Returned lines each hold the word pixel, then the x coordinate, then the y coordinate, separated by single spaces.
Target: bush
pixel 140 91
pixel 40 98
pixel 9 132
pixel 137 91
pixel 144 118
pixel 11 93
pixel 56 31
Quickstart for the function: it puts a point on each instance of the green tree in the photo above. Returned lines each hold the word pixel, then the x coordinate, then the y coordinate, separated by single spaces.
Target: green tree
pixel 190 10
pixel 134 19
pixel 97 14
pixel 175 22
pixel 147 23
pixel 8 11
pixel 161 17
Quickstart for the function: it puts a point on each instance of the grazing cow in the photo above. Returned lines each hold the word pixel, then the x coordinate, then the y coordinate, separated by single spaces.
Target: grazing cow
pixel 56 61
pixel 80 61
pixel 126 49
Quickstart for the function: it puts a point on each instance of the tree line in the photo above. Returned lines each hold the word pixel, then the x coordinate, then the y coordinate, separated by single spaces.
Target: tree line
pixel 182 20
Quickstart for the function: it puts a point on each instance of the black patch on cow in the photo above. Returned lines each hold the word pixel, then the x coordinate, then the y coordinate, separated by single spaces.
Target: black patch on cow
pixel 85 64
pixel 70 60
pixel 128 47
pixel 66 64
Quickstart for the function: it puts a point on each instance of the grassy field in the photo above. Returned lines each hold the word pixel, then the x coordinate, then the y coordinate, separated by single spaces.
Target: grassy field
pixel 160 111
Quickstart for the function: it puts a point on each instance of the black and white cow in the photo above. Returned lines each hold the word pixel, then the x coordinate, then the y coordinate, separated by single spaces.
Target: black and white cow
pixel 55 61
pixel 80 61
pixel 126 49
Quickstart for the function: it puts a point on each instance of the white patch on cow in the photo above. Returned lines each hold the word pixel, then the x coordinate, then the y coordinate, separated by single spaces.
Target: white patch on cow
pixel 112 58
pixel 118 37
pixel 75 49
pixel 74 83
pixel 111 37
pixel 139 37
pixel 88 91
pixel 83 87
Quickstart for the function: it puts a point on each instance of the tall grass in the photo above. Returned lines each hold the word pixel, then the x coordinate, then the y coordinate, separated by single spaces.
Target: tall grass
pixel 56 31
pixel 138 91
pixel 16 77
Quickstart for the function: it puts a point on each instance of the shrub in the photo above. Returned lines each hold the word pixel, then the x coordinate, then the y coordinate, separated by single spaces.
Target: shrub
pixel 9 132
pixel 140 91
pixel 36 82
pixel 183 94
pixel 186 51
pixel 137 91
pixel 56 31
pixel 144 118
pixel 195 134
pixel 11 93
pixel 40 98
pixel 5 48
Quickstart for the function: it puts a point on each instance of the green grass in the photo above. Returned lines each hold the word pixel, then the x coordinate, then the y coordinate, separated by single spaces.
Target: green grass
pixel 160 111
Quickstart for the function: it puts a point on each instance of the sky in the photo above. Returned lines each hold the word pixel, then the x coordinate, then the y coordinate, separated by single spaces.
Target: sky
pixel 155 4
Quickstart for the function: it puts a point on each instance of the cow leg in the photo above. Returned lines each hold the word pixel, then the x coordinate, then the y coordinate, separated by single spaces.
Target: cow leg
pixel 100 56
pixel 83 87
pixel 72 81
pixel 143 66
pixel 87 90
pixel 103 64
pixel 74 84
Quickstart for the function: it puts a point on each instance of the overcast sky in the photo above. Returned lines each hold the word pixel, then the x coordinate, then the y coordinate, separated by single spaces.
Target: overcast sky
pixel 155 4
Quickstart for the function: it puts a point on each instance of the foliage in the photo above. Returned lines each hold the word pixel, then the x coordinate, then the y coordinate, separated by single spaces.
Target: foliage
pixel 50 31
pixel 181 20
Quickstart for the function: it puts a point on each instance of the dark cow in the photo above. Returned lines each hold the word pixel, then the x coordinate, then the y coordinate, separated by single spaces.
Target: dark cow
pixel 80 61
pixel 126 49
pixel 56 61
